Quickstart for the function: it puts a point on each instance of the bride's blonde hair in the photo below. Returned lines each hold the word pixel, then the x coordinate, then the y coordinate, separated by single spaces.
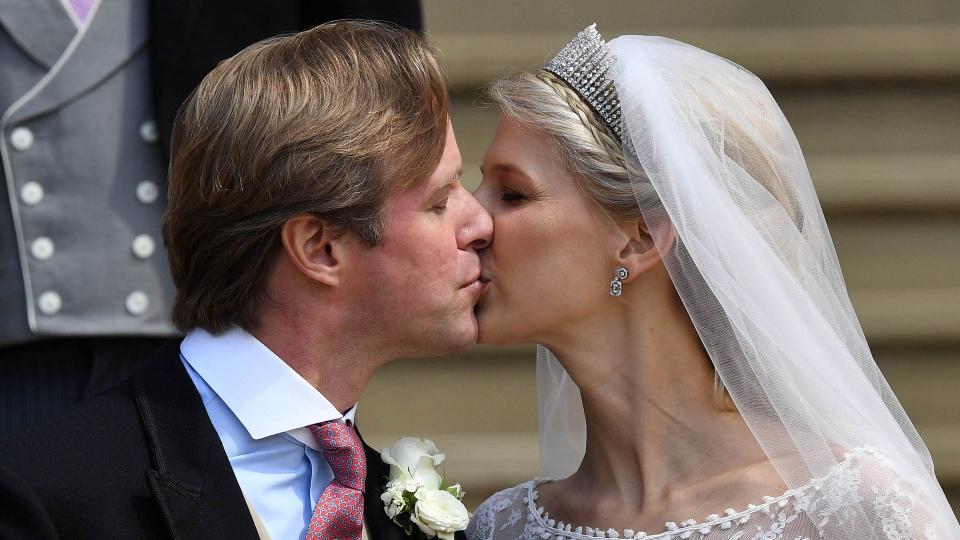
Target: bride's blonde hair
pixel 589 150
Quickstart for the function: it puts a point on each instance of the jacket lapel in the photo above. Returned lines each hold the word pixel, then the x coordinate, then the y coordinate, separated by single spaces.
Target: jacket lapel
pixel 116 30
pixel 42 28
pixel 191 479
pixel 379 526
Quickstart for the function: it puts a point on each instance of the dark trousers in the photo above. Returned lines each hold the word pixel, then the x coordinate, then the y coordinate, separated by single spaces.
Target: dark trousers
pixel 40 381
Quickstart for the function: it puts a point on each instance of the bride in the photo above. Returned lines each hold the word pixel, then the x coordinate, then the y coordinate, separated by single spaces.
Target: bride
pixel 701 372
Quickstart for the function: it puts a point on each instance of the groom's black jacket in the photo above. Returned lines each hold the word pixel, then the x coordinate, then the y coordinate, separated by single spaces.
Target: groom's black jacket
pixel 139 461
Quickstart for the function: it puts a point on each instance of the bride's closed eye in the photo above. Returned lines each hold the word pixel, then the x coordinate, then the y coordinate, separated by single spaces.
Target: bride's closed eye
pixel 513 197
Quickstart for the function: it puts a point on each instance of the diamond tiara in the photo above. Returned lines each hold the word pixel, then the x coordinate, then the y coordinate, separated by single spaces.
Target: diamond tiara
pixel 584 64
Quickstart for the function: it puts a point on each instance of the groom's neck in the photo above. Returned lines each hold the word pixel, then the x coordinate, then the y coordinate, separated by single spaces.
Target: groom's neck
pixel 326 354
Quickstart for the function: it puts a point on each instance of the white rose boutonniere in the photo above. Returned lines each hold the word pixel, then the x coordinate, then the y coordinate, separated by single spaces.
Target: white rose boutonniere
pixel 415 494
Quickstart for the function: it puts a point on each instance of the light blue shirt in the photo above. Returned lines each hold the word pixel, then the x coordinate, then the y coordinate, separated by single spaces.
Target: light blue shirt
pixel 260 408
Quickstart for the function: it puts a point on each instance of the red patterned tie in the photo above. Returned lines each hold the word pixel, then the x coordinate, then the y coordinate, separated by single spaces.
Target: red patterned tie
pixel 339 512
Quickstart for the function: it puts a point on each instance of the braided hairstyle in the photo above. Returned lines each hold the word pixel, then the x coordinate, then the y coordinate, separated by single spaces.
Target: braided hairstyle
pixel 590 151
pixel 597 127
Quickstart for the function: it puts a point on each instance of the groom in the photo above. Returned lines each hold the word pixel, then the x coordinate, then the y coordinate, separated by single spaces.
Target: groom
pixel 316 230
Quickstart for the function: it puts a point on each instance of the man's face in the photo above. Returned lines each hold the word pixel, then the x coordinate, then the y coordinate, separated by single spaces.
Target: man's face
pixel 418 288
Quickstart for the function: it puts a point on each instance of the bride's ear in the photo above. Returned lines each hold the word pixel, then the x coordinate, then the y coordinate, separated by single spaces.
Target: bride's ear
pixel 638 250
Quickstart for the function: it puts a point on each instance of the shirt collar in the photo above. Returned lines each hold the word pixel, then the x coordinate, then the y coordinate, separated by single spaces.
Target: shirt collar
pixel 261 390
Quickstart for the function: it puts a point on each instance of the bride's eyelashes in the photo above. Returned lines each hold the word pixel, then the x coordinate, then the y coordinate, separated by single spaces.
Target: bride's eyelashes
pixel 513 197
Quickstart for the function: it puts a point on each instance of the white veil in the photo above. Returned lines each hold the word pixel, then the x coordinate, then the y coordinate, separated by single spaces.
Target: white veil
pixel 715 160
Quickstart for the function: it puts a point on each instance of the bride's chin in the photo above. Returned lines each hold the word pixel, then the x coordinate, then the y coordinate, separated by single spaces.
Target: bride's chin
pixel 497 324
pixel 487 339
pixel 489 332
pixel 485 335
pixel 497 334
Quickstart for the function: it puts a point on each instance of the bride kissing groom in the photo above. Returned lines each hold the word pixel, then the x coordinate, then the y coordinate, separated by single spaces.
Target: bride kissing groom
pixel 702 373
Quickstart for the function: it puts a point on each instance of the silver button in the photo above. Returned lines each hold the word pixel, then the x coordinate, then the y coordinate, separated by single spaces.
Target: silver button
pixel 147 192
pixel 137 302
pixel 42 248
pixel 21 138
pixel 148 131
pixel 49 303
pixel 31 193
pixel 143 246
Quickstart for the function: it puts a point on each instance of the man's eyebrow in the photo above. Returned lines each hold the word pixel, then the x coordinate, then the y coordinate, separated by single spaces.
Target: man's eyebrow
pixel 448 185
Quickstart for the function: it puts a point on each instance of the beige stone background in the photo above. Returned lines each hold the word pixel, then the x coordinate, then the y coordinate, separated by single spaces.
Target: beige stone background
pixel 872 89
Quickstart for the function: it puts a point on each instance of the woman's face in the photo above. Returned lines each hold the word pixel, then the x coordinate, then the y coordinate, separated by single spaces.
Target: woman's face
pixel 552 256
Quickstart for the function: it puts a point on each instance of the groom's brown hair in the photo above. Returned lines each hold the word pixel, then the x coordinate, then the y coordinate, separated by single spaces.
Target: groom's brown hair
pixel 328 121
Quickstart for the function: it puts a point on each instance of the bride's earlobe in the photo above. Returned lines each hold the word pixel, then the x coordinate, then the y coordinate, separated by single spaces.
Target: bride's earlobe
pixel 637 255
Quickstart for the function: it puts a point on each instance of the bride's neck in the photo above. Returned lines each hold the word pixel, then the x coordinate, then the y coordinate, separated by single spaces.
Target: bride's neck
pixel 653 425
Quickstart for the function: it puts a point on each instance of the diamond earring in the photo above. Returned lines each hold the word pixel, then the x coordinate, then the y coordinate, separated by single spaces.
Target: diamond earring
pixel 616 286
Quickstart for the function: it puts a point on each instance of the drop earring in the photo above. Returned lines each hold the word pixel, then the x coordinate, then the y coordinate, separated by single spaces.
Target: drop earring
pixel 616 286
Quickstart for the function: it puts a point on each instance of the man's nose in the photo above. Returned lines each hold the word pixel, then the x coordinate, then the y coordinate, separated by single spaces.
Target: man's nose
pixel 477 233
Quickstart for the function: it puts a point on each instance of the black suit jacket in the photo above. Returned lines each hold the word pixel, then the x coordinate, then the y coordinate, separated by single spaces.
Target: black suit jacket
pixel 189 37
pixel 139 461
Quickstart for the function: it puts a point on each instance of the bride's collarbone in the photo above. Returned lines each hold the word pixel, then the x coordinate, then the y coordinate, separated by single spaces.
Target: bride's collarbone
pixel 577 503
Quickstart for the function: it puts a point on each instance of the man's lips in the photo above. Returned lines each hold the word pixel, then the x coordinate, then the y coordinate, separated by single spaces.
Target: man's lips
pixel 470 282
pixel 479 281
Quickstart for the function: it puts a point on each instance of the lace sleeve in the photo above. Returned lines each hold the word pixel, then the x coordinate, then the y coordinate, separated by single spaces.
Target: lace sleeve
pixel 904 506
pixel 900 507
pixel 503 515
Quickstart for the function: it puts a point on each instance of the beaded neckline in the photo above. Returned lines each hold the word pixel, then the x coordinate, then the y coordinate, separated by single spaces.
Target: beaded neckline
pixel 685 529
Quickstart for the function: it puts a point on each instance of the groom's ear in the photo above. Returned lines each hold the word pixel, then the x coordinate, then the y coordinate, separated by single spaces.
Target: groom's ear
pixel 638 247
pixel 312 246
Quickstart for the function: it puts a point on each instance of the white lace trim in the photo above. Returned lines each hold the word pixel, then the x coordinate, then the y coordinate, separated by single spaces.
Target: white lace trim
pixel 835 495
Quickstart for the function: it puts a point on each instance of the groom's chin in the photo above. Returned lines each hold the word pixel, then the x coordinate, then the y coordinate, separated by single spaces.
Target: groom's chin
pixel 462 336
pixel 468 337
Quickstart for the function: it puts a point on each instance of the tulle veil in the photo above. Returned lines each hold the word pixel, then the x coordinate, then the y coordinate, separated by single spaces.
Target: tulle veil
pixel 713 158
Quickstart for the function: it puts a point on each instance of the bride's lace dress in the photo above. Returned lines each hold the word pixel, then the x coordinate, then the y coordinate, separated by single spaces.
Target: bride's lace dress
pixel 824 508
